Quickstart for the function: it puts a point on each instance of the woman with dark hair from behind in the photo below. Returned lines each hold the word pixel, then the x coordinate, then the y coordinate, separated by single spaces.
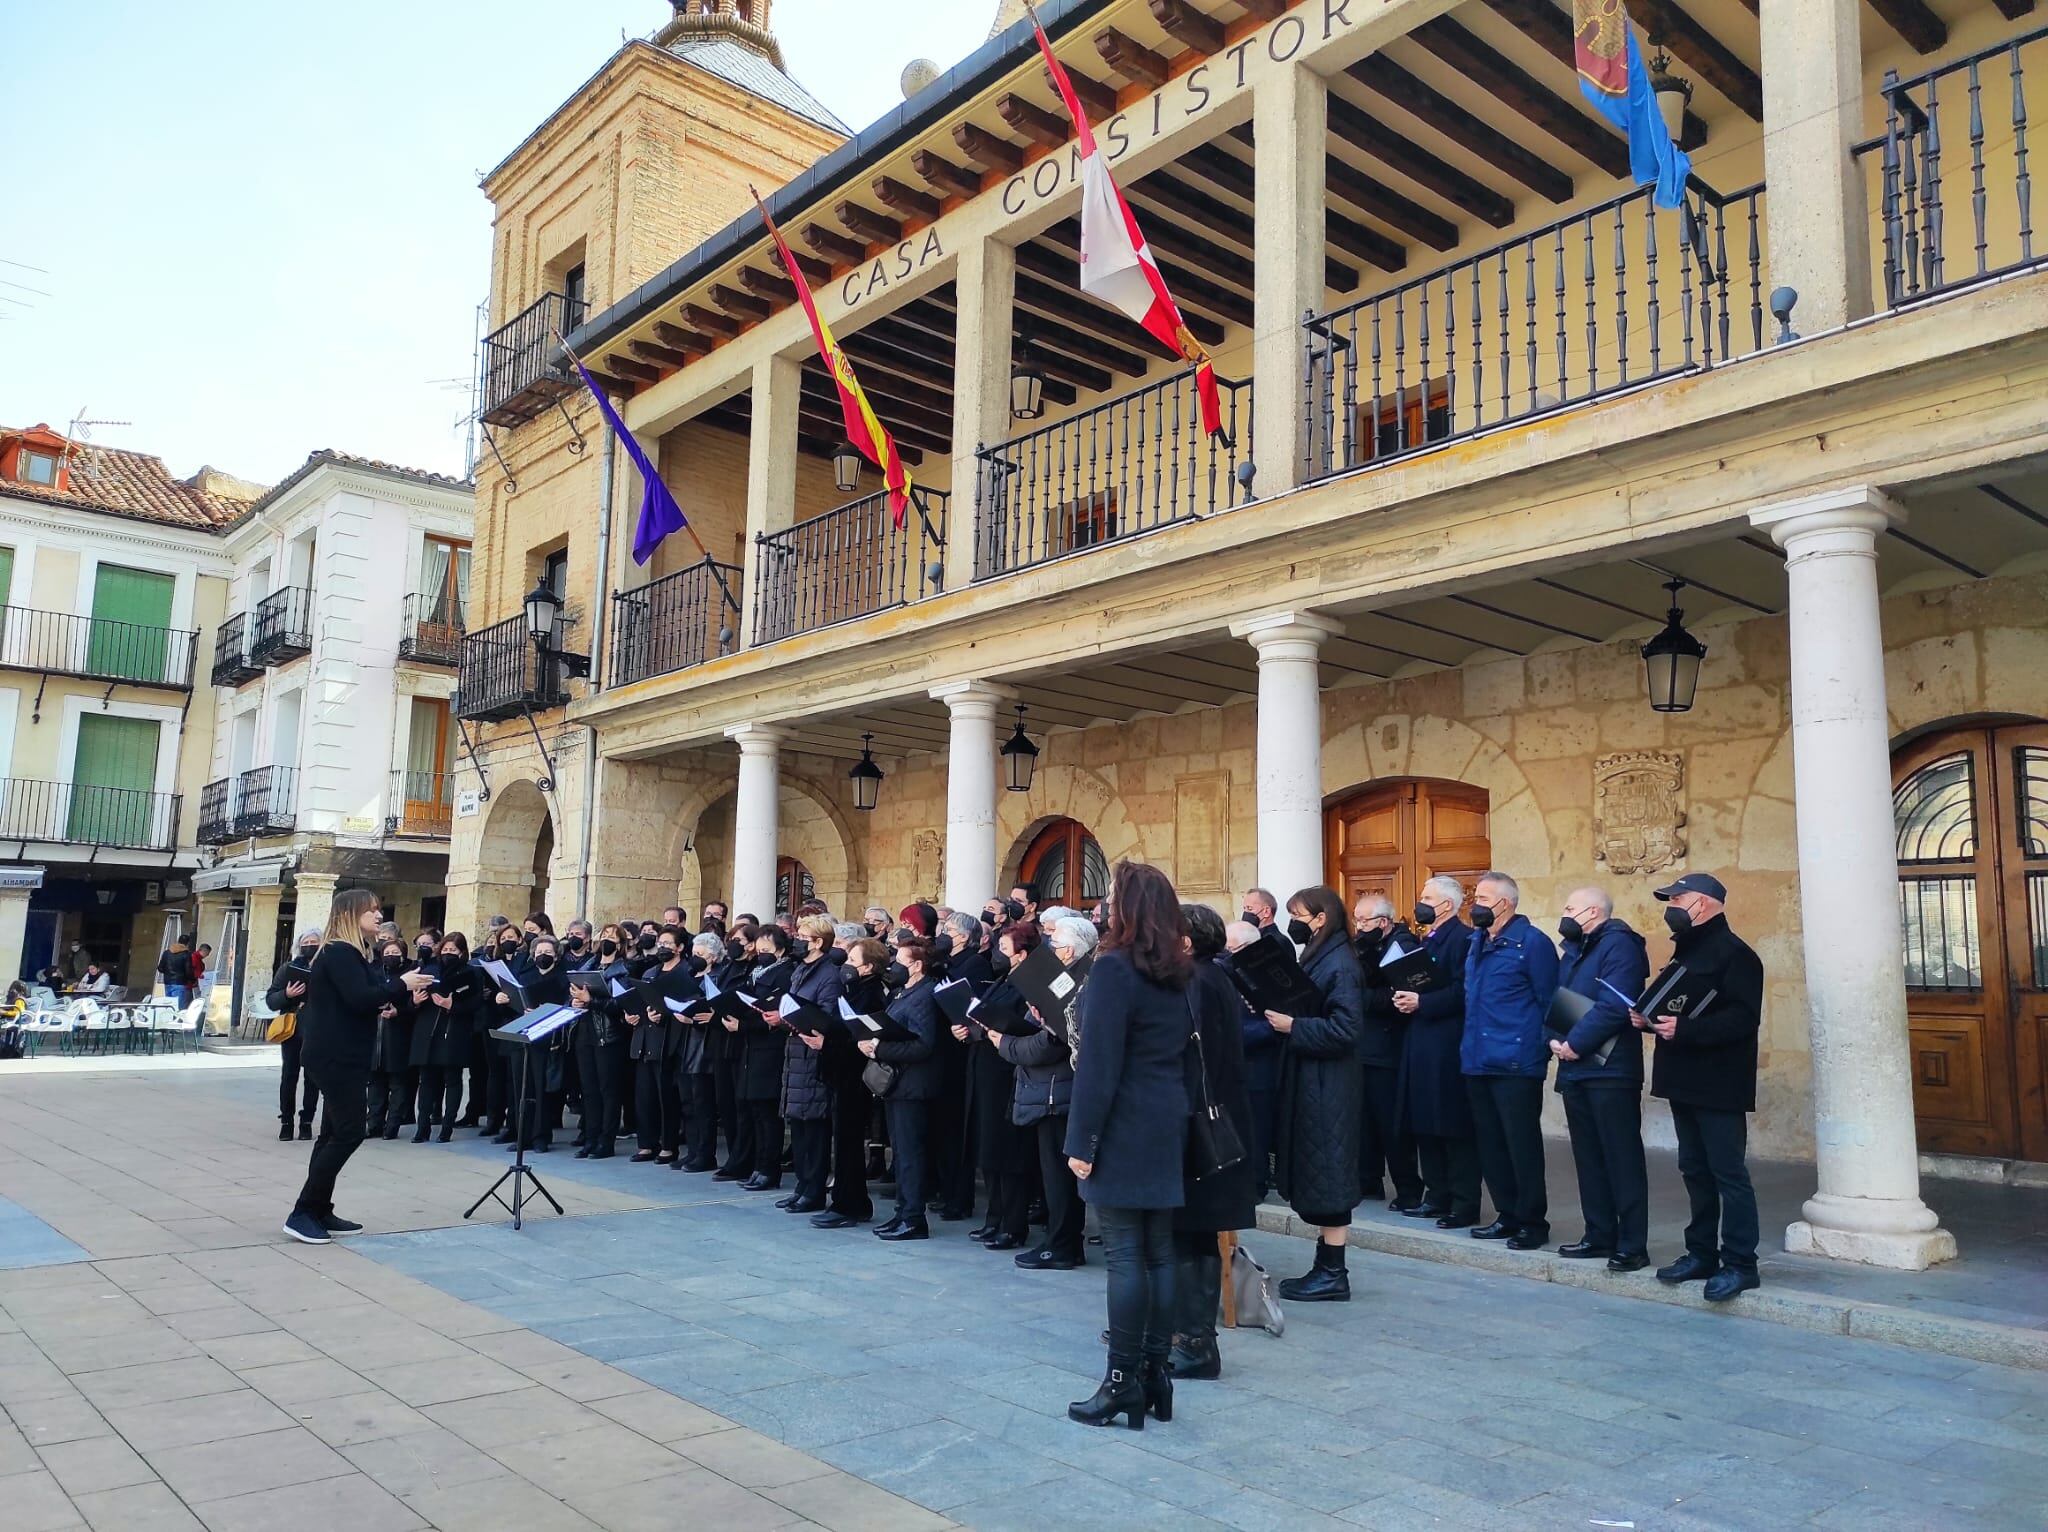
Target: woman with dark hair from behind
pixel 393 1081
pixel 1315 1136
pixel 1004 1150
pixel 287 994
pixel 440 1034
pixel 1227 1200
pixel 1127 1133
pixel 916 1069
pixel 761 1036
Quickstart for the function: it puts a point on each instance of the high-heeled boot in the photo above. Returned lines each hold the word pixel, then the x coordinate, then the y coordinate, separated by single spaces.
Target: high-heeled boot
pixel 1121 1393
pixel 1156 1378
pixel 1199 1287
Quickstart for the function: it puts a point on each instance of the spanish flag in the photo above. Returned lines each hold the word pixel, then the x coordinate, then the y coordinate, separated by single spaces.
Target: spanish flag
pixel 863 427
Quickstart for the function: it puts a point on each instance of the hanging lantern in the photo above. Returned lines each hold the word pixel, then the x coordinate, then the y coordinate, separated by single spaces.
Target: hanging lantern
pixel 1027 391
pixel 543 606
pixel 866 778
pixel 1020 759
pixel 1673 92
pixel 846 468
pixel 1672 659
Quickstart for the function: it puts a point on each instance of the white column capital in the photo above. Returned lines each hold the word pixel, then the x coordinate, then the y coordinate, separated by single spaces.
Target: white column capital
pixel 973 699
pixel 1849 519
pixel 758 738
pixel 1286 635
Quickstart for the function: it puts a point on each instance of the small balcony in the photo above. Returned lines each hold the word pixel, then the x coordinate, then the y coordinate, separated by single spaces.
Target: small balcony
pixel 675 622
pixel 422 804
pixel 231 663
pixel 433 631
pixel 76 814
pixel 266 801
pixel 520 375
pixel 98 648
pixel 847 563
pixel 216 812
pixel 283 627
pixel 500 674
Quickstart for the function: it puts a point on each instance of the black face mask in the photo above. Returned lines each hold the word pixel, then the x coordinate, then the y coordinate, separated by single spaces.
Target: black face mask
pixel 666 954
pixel 575 944
pixel 308 950
pixel 544 961
pixel 608 948
pixel 1425 914
pixel 695 964
pixel 1251 917
pixel 1680 921
pixel 1571 930
pixel 1000 962
pixel 394 964
pixel 1300 932
pixel 1482 918
pixel 1372 941
pixel 649 943
pixel 897 975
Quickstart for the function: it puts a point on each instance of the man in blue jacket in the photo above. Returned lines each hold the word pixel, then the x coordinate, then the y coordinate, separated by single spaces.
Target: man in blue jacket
pixel 1600 1077
pixel 1510 979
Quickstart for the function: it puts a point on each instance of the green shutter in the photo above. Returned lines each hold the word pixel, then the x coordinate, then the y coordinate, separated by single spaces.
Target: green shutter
pixel 113 776
pixel 6 573
pixel 131 620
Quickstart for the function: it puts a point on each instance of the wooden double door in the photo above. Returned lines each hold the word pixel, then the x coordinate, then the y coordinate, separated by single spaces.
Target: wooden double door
pixel 1392 837
pixel 1970 808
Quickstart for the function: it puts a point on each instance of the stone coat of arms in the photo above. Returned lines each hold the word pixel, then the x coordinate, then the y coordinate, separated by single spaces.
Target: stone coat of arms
pixel 1636 818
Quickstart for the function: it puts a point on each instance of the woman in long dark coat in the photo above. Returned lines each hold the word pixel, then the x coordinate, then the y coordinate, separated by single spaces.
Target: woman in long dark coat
pixel 759 1084
pixel 392 1079
pixel 655 1040
pixel 1227 1200
pixel 1315 1148
pixel 602 1041
pixel 915 1060
pixel 441 1030
pixel 806 1097
pixel 696 1069
pixel 1002 1149
pixel 1044 1065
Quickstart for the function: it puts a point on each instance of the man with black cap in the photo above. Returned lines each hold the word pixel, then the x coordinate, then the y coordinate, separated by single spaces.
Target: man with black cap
pixel 1706 1029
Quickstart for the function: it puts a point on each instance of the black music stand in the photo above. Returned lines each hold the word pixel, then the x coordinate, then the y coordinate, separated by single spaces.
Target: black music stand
pixel 526 1183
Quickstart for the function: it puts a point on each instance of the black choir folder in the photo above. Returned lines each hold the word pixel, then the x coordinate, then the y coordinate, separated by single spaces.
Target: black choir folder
pixel 882 1028
pixel 1414 972
pixel 1050 986
pixel 810 1020
pixel 1270 978
pixel 1567 1009
pixel 1666 996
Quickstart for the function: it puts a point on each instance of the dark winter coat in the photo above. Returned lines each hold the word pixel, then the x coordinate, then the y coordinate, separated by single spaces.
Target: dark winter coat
pixel 1315 1137
pixel 1510 980
pixel 1262 1046
pixel 1228 1199
pixel 1129 1113
pixel 391 1053
pixel 1433 1098
pixel 1711 1061
pixel 281 1003
pixel 760 1072
pixel 440 1039
pixel 916 1060
pixel 604 1019
pixel 1380 1039
pixel 1044 1076
pixel 1616 953
pixel 805 1095
pixel 338 1018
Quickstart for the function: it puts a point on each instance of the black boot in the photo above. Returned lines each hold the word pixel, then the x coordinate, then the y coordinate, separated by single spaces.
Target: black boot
pixel 284 1130
pixel 1121 1393
pixel 305 1128
pixel 1326 1282
pixel 1156 1378
pixel 1199 1286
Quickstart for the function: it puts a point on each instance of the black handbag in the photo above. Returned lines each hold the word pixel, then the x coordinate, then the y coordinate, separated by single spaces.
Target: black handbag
pixel 1214 1145
pixel 880 1079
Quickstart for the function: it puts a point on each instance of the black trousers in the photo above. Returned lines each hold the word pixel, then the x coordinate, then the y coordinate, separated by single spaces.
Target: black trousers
pixel 504 1085
pixel 390 1098
pixel 1450 1173
pixel 1713 1149
pixel 479 1104
pixel 288 1082
pixel 1064 1216
pixel 601 1067
pixel 1264 1104
pixel 733 1122
pixel 851 1108
pixel 440 1095
pixel 810 1141
pixel 1137 1247
pixel 657 1105
pixel 907 1124
pixel 341 1129
pixel 1383 1144
pixel 1606 1123
pixel 949 1150
pixel 1507 1123
pixel 1009 1201
pixel 766 1120
pixel 1198 1285
pixel 700 1119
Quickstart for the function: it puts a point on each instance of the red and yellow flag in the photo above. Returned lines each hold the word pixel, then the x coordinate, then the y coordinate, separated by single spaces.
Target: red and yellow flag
pixel 863 427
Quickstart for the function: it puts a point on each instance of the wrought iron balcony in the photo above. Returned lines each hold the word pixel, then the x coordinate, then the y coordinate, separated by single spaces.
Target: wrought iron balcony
pixel 520 376
pixel 422 804
pixel 1597 303
pixel 266 801
pixel 100 648
pixel 675 622
pixel 231 663
pixel 216 812
pixel 849 562
pixel 501 674
pixel 283 629
pixel 433 630
pixel 77 814
pixel 1129 465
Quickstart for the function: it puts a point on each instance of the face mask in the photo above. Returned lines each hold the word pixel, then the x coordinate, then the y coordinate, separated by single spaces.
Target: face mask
pixel 898 975
pixel 544 961
pixel 451 957
pixel 575 944
pixel 1571 930
pixel 649 943
pixel 309 949
pixel 1680 921
pixel 1482 917
pixel 668 954
pixel 608 948
pixel 1251 917
pixel 393 963
pixel 999 962
pixel 1300 932
pixel 1425 914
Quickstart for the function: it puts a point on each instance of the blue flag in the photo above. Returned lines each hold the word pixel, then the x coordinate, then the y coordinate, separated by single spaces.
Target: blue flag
pixel 659 513
pixel 1612 76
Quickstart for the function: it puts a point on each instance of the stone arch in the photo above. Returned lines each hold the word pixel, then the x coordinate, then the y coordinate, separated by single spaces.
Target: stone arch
pixel 518 820
pixel 1060 791
pixel 1401 745
pixel 812 826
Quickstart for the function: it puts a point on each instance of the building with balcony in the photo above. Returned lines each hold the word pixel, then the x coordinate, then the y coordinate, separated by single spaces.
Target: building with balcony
pixel 1494 423
pixel 333 749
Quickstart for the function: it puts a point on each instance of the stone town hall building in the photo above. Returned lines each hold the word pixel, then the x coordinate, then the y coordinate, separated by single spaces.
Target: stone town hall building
pixel 1486 402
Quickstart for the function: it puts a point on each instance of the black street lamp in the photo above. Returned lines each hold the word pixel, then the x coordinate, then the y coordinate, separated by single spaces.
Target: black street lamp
pixel 866 777
pixel 1027 391
pixel 1672 659
pixel 543 610
pixel 846 468
pixel 1020 758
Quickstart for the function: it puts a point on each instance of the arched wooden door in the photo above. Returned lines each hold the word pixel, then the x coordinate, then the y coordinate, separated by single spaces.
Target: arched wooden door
pixel 1392 837
pixel 1066 865
pixel 1971 812
pixel 794 885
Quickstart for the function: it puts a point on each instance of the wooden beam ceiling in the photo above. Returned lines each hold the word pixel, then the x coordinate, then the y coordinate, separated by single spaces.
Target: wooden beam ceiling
pixel 1550 29
pixel 1365 132
pixel 1515 88
pixel 1131 59
pixel 1911 19
pixel 1387 79
pixel 1671 27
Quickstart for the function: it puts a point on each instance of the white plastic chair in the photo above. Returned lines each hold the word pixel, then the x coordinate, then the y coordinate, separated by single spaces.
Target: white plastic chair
pixel 91 1023
pixel 151 1018
pixel 45 1022
pixel 173 1024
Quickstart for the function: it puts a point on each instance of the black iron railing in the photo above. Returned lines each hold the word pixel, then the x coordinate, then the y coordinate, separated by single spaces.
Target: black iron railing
pixel 283 627
pixel 217 812
pixel 61 644
pixel 1955 194
pixel 1128 465
pixel 520 378
pixel 501 674
pixel 675 622
pixel 1600 302
pixel 432 634
pixel 849 562
pixel 422 803
pixel 78 814
pixel 231 663
pixel 266 801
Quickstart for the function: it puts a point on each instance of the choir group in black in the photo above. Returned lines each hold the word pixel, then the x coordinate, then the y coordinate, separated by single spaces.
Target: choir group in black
pixel 1145 1061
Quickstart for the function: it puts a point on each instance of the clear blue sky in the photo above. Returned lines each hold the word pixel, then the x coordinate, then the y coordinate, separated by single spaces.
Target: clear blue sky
pixel 259 226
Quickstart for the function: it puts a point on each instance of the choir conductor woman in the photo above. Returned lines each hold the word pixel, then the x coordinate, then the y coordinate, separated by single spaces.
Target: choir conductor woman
pixel 339 1024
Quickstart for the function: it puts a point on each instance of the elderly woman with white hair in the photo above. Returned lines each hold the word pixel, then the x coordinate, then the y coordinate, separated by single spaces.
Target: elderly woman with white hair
pixel 1045 1087
pixel 287 990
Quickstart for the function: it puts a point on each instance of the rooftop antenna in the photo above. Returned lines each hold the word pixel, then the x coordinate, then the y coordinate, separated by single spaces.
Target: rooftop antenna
pixel 78 436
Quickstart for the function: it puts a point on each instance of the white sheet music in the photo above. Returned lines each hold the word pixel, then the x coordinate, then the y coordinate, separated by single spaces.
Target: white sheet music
pixel 790 1005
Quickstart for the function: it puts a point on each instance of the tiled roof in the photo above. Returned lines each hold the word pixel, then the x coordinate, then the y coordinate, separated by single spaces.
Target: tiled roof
pixel 136 485
pixel 752 72
pixel 327 456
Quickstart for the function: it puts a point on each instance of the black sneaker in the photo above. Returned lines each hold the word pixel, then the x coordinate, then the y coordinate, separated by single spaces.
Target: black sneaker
pixel 334 1223
pixel 307 1229
pixel 284 1134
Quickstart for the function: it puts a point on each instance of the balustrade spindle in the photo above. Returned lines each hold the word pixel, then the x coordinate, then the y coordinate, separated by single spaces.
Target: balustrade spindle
pixel 1656 311
pixel 1529 314
pixel 1621 295
pixel 2022 182
pixel 1478 353
pixel 1592 310
pixel 1979 199
pixel 1930 184
pixel 1557 281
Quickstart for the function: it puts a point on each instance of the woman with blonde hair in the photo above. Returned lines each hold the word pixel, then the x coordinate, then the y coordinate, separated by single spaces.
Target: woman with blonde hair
pixel 339 1025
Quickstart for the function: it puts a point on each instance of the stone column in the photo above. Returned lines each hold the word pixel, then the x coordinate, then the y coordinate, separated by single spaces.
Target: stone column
pixel 987 295
pixel 1816 219
pixel 315 899
pixel 210 912
pixel 259 919
pixel 1868 1207
pixel 971 791
pixel 13 927
pixel 757 809
pixel 1290 119
pixel 1290 747
pixel 771 471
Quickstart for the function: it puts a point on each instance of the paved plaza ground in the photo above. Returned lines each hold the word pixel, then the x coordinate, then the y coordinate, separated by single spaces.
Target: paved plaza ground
pixel 678 1354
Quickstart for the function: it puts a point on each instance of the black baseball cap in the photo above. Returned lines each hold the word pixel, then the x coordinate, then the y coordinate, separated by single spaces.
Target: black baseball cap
pixel 1695 883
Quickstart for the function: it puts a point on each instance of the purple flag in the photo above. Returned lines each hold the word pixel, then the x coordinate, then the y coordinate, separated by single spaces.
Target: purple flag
pixel 659 513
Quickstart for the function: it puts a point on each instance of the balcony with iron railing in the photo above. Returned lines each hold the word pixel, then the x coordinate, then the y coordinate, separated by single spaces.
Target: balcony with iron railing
pixel 97 648
pixel 502 674
pixel 217 812
pixel 520 376
pixel 422 804
pixel 266 801
pixel 79 814
pixel 675 622
pixel 283 627
pixel 847 563
pixel 432 634
pixel 231 663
